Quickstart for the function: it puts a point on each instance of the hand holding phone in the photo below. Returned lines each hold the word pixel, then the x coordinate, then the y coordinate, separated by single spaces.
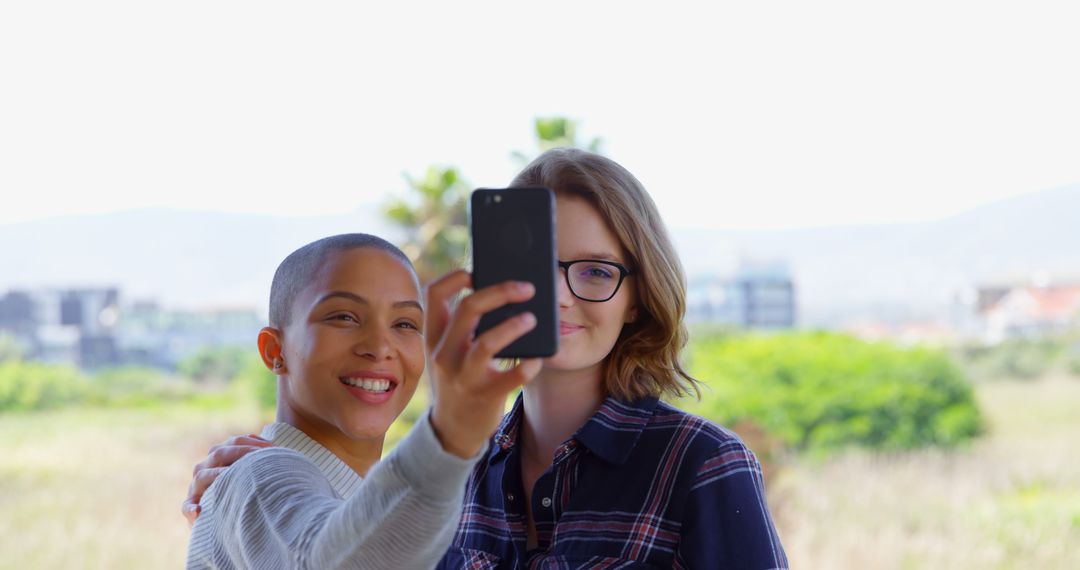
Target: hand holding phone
pixel 513 239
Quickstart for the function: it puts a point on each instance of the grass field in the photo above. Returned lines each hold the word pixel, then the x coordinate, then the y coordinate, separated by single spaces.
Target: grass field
pixel 1011 500
pixel 102 488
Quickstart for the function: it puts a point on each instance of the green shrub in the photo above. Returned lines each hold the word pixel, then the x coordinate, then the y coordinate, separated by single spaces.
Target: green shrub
pixel 216 364
pixel 255 382
pixel 409 416
pixel 821 391
pixel 26 386
pixel 9 348
pixel 1013 359
pixel 136 386
pixel 1073 359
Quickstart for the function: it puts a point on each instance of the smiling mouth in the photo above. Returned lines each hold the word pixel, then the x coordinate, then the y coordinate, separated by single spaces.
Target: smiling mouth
pixel 373 385
pixel 567 328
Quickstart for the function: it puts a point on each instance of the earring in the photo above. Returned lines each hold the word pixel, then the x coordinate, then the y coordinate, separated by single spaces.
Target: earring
pixel 278 363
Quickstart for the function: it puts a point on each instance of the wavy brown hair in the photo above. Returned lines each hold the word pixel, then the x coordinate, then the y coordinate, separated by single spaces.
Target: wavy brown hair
pixel 645 359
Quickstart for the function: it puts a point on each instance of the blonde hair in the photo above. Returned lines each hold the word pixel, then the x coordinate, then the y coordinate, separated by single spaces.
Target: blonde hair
pixel 645 358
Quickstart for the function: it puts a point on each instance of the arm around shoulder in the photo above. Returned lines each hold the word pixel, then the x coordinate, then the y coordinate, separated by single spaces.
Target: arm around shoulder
pixel 276 509
pixel 261 512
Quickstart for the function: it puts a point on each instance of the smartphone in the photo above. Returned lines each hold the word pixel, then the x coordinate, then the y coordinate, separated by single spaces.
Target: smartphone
pixel 513 238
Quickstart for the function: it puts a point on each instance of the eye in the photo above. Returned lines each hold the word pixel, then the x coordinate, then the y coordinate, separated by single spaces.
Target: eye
pixel 343 317
pixel 598 272
pixel 407 325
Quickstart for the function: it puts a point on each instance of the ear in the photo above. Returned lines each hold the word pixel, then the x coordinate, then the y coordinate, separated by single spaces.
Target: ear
pixel 270 349
pixel 631 315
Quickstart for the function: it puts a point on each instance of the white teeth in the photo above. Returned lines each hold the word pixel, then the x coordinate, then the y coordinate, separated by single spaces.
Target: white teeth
pixel 369 384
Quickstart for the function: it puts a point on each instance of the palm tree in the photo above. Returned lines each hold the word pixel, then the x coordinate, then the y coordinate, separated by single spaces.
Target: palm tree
pixel 436 227
pixel 555 132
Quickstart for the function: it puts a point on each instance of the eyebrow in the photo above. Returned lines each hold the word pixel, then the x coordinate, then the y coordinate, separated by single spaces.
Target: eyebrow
pixel 408 304
pixel 598 255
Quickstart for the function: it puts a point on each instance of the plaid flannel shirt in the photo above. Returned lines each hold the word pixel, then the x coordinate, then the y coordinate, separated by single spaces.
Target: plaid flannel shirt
pixel 640 485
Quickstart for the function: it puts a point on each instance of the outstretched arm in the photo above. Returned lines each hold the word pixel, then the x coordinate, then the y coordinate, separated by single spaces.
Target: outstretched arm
pixel 276 509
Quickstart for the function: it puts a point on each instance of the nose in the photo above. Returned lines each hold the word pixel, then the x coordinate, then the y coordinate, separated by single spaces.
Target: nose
pixel 562 290
pixel 374 343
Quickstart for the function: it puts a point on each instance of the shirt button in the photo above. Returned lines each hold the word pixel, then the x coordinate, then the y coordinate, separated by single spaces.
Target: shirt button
pixel 510 497
pixel 546 501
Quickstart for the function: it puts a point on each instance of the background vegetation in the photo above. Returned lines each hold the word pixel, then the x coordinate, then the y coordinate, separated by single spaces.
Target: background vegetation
pixel 822 391
pixel 95 465
pixel 876 455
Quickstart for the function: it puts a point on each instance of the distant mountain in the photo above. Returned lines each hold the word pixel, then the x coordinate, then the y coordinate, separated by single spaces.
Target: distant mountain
pixel 890 272
pixel 907 271
pixel 181 258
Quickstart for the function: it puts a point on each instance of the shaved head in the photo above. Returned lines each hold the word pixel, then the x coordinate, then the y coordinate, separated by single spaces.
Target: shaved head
pixel 303 265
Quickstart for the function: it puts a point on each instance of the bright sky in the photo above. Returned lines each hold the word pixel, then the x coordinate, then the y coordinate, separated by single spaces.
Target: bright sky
pixel 743 115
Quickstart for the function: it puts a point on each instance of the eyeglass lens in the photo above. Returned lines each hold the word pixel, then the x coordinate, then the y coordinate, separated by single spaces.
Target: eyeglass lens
pixel 593 280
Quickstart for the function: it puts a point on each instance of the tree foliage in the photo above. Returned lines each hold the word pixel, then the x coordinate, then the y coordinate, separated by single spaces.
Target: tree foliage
pixel 256 382
pixel 129 386
pixel 9 348
pixel 215 364
pixel 26 386
pixel 1072 358
pixel 434 217
pixel 1017 359
pixel 434 212
pixel 822 391
pixel 555 132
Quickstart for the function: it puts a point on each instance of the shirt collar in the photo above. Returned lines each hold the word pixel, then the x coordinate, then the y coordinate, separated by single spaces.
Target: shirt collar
pixel 506 436
pixel 611 433
pixel 342 478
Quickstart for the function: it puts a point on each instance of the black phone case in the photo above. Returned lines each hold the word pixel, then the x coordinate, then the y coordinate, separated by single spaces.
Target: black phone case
pixel 513 237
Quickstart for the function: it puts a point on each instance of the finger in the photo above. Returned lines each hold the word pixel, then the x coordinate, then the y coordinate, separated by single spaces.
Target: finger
pixel 226 455
pixel 190 511
pixel 439 294
pixel 202 482
pixel 467 316
pixel 499 337
pixel 510 380
pixel 249 439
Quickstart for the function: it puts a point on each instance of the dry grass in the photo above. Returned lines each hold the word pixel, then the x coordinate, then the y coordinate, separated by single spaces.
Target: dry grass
pixel 1011 500
pixel 101 489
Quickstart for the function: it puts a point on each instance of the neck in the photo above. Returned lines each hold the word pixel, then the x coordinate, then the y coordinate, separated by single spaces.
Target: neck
pixel 557 404
pixel 359 455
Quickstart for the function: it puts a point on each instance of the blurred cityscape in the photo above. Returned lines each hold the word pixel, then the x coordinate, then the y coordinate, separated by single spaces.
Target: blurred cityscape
pixel 1005 270
pixel 93 328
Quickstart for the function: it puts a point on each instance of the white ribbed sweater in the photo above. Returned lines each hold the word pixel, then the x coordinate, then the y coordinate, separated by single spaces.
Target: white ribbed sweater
pixel 297 505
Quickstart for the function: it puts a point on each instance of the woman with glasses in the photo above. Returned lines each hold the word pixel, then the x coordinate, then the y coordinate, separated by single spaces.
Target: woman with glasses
pixel 590 469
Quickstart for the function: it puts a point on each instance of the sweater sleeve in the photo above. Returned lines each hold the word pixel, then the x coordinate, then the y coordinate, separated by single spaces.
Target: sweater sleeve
pixel 275 509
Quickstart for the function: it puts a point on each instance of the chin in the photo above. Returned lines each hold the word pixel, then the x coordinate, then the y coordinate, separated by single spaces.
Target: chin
pixel 569 361
pixel 367 429
pixel 366 433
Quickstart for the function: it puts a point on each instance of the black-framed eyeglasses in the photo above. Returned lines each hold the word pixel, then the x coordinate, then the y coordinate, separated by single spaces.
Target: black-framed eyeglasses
pixel 594 280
